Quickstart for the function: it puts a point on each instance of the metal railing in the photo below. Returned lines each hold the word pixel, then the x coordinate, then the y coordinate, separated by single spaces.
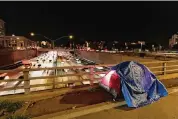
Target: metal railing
pixel 158 68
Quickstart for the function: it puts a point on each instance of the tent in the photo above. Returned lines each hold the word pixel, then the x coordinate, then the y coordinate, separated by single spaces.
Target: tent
pixel 111 83
pixel 139 85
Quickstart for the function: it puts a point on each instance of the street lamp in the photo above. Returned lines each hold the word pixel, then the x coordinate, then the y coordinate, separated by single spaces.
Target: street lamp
pixel 141 46
pixel 52 41
pixel 32 34
pixel 70 37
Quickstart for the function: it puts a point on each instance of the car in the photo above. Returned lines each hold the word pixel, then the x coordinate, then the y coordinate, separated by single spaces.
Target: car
pixel 78 62
pixel 101 75
pixel 100 68
pixel 87 70
pixel 66 70
pixel 3 76
pixel 20 81
pixel 39 65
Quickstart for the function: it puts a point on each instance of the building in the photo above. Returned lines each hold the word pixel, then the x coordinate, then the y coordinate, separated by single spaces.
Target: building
pixel 173 40
pixel 16 42
pixel 141 42
pixel 2 28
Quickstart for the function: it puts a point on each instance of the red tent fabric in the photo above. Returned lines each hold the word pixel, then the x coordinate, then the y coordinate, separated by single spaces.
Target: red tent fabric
pixel 112 81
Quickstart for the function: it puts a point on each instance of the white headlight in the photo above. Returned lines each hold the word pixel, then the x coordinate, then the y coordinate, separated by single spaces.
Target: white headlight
pixel 7 77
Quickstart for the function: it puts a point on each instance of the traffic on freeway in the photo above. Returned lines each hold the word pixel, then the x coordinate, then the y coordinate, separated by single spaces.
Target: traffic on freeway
pixel 44 60
pixel 50 59
pixel 70 60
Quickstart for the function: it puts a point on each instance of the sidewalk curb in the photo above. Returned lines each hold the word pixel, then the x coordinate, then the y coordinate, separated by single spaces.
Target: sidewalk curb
pixel 81 111
pixel 90 109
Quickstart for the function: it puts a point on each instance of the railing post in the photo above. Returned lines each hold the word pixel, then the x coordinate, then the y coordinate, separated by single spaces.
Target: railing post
pixel 165 57
pixel 91 75
pixel 164 68
pixel 26 82
pixel 54 79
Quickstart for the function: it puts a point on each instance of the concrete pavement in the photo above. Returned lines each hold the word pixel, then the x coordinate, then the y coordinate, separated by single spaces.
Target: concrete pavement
pixel 165 108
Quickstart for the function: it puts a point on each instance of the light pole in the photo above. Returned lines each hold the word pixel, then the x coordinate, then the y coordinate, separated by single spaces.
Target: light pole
pixel 141 46
pixel 52 41
pixel 33 34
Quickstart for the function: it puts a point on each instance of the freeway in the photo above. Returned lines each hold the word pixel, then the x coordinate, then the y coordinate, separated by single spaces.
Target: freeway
pixel 44 60
pixel 69 60
pixel 51 59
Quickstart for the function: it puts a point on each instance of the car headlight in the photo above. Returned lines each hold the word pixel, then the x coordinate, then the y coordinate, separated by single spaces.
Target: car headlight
pixel 7 77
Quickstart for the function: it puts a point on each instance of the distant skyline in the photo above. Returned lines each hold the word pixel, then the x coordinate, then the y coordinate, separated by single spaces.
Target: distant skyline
pixel 122 21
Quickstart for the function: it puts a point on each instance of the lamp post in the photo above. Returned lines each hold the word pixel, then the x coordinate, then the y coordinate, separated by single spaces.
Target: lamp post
pixel 52 41
pixel 141 46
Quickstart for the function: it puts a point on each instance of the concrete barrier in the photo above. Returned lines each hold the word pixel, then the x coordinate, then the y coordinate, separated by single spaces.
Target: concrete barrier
pixel 11 56
pixel 109 58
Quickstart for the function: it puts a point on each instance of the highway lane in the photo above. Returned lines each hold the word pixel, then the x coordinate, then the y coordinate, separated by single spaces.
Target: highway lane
pixel 33 74
pixel 60 62
pixel 66 59
pixel 73 62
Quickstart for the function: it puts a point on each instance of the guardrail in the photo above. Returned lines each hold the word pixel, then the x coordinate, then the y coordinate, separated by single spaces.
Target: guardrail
pixel 158 68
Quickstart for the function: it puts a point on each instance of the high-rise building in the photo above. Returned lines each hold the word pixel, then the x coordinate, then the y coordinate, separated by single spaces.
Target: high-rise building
pixel 2 28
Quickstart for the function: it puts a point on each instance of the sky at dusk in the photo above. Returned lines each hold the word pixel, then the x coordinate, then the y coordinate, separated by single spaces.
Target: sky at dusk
pixel 122 21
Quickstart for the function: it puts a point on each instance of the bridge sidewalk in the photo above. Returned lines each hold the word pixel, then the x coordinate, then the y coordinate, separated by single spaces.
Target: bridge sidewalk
pixel 115 110
pixel 42 95
pixel 48 93
pixel 165 108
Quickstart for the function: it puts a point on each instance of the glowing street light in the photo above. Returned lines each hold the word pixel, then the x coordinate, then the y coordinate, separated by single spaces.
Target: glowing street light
pixel 32 34
pixel 52 41
pixel 13 35
pixel 70 37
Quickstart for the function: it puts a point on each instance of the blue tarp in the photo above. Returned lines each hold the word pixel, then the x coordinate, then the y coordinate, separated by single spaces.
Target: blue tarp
pixel 139 85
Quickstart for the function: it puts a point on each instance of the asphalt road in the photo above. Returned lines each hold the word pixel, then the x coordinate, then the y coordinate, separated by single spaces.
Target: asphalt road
pixel 15 75
pixel 73 62
pixel 41 73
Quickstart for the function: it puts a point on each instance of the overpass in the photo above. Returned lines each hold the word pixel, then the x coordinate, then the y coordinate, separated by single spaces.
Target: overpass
pixel 165 69
pixel 162 69
pixel 57 83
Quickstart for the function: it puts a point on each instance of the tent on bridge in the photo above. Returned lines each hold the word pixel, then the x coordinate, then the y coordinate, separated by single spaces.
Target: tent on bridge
pixel 137 83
